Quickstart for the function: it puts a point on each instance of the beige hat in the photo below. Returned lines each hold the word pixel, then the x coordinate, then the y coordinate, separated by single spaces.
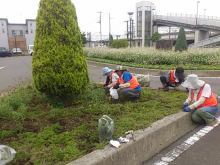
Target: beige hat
pixel 192 82
pixel 119 67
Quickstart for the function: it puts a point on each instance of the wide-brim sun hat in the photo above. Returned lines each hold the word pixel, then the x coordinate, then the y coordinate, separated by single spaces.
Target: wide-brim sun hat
pixel 106 70
pixel 192 82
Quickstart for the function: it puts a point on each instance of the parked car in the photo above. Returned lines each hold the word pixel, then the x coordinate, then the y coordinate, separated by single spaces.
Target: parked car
pixel 30 49
pixel 4 52
pixel 16 51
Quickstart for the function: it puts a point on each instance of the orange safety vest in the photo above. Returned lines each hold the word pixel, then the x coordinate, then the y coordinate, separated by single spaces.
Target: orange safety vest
pixel 211 101
pixel 133 82
pixel 172 77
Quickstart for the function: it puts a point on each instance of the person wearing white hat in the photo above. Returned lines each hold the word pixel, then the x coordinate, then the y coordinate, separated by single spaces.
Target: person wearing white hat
pixel 111 78
pixel 201 101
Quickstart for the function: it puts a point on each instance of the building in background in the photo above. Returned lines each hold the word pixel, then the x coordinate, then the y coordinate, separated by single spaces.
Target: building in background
pixel 144 23
pixel 17 35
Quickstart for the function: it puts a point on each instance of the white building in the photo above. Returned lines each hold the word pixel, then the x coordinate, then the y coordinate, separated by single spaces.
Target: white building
pixel 17 35
pixel 4 33
pixel 144 22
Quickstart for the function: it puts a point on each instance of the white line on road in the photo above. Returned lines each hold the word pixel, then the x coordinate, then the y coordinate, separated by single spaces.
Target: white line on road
pixel 2 67
pixel 178 150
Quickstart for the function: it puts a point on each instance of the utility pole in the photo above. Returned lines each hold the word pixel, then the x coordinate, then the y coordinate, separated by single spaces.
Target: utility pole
pixel 130 21
pixel 109 36
pixel 109 19
pixel 197 12
pixel 127 30
pixel 100 23
pixel 132 29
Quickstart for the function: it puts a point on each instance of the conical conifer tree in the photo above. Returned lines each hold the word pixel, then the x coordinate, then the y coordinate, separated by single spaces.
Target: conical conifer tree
pixel 181 43
pixel 59 66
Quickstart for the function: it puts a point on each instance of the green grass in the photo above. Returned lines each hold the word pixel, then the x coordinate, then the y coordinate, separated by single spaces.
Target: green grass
pixel 46 131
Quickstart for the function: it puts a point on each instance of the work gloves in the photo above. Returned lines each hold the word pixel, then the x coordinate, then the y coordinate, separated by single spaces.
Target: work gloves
pixel 186 107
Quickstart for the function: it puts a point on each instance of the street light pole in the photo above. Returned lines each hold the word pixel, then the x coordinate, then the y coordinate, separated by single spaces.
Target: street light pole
pixel 131 24
pixel 197 12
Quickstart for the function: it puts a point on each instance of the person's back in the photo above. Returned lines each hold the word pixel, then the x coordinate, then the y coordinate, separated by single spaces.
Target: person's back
pixel 172 79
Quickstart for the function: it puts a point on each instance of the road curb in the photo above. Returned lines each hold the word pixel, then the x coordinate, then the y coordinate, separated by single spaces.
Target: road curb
pixel 147 143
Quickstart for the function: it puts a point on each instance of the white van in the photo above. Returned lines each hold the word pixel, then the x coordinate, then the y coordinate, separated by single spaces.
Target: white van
pixel 30 49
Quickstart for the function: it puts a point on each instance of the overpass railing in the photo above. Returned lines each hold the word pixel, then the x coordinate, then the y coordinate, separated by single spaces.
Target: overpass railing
pixel 186 19
pixel 209 41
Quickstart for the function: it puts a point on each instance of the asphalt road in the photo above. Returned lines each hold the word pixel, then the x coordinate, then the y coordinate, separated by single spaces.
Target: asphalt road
pixel 17 70
pixel 204 152
pixel 14 71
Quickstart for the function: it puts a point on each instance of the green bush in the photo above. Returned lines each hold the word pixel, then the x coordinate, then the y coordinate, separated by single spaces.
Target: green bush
pixel 156 37
pixel 181 43
pixel 121 43
pixel 59 66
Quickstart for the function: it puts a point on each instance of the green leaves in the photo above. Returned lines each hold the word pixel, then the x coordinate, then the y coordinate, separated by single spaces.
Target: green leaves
pixel 59 66
pixel 181 43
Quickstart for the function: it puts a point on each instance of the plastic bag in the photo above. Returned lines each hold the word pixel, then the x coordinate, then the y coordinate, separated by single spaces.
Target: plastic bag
pixel 7 154
pixel 106 128
pixel 144 80
pixel 113 93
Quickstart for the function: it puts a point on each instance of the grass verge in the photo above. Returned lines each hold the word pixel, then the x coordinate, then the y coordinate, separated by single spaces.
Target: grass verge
pixel 45 131
pixel 151 58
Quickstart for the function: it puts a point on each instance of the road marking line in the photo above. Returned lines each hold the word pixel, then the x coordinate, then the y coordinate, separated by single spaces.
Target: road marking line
pixel 2 67
pixel 178 150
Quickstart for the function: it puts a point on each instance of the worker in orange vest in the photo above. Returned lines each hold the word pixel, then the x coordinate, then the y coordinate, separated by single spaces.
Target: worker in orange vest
pixel 172 79
pixel 111 78
pixel 128 86
pixel 201 101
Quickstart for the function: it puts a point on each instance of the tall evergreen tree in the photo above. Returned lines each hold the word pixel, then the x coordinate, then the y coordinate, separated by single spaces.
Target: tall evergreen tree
pixel 59 66
pixel 110 40
pixel 83 35
pixel 181 43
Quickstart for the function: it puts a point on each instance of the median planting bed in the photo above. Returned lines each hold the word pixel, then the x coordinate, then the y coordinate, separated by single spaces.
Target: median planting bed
pixel 193 59
pixel 46 131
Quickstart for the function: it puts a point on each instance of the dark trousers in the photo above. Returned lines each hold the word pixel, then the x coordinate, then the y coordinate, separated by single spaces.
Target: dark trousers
pixel 129 93
pixel 164 79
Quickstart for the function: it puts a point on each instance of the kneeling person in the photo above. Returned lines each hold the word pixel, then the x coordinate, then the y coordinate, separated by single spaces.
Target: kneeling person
pixel 202 102
pixel 111 78
pixel 128 84
pixel 172 79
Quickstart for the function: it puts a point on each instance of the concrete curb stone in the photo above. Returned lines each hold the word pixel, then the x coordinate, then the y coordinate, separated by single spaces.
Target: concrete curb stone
pixel 147 143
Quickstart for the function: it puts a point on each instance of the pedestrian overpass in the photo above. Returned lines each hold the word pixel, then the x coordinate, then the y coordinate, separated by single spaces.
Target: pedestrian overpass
pixel 203 27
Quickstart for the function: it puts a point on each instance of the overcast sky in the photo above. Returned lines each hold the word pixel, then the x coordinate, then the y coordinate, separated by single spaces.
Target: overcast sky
pixel 18 10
